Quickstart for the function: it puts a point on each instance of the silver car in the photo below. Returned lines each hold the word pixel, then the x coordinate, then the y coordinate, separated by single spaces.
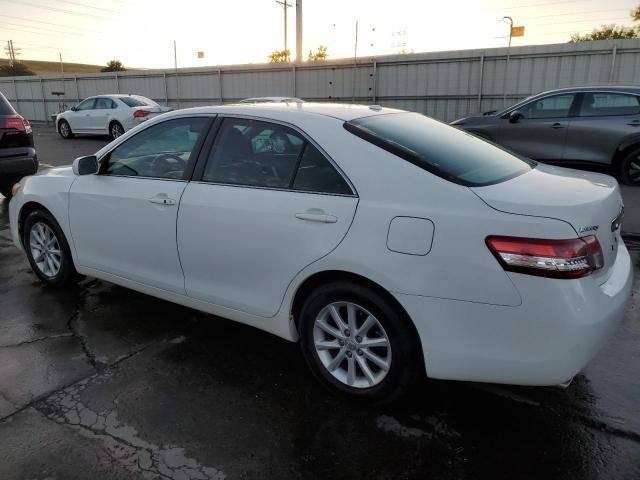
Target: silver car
pixel 597 126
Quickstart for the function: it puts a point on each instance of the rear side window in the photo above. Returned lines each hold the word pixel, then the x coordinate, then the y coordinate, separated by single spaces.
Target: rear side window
pixel 440 149
pixel 5 106
pixel 605 104
pixel 316 174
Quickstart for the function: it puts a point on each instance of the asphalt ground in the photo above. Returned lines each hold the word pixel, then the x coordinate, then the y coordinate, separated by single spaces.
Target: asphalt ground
pixel 97 381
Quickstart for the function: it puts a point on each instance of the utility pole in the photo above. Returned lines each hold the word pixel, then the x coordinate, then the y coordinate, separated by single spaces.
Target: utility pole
pixel 299 31
pixel 355 65
pixel 175 57
pixel 285 5
pixel 508 20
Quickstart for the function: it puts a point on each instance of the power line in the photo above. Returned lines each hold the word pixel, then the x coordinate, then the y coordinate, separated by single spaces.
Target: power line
pixel 47 23
pixel 574 13
pixel 603 21
pixel 54 9
pixel 541 4
pixel 88 6
pixel 33 33
pixel 41 28
pixel 57 49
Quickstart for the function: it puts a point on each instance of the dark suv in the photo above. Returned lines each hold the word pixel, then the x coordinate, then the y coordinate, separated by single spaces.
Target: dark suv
pixel 17 154
pixel 571 126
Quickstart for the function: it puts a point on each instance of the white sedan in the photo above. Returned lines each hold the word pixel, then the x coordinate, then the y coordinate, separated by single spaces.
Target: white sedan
pixel 389 244
pixel 107 115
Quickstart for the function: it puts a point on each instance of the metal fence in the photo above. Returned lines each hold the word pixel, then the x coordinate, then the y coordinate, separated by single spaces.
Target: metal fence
pixel 444 85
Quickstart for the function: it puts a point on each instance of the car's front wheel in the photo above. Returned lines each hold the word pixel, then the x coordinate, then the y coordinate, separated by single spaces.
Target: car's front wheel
pixel 630 168
pixel 65 129
pixel 115 130
pixel 47 249
pixel 358 343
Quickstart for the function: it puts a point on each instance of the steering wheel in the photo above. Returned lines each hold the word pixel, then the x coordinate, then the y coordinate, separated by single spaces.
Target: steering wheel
pixel 167 163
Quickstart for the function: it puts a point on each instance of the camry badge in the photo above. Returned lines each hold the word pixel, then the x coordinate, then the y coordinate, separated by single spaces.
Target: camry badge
pixel 592 228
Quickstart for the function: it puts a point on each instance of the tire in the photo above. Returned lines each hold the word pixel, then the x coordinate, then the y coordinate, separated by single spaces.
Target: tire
pixel 115 130
pixel 64 129
pixel 630 168
pixel 5 189
pixel 402 355
pixel 46 229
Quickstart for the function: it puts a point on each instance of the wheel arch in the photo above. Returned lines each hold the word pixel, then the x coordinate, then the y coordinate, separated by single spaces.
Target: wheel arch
pixel 28 208
pixel 318 279
pixel 627 145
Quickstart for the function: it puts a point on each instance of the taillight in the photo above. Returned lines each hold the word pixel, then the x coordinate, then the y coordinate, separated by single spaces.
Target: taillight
pixel 16 123
pixel 572 258
pixel 141 113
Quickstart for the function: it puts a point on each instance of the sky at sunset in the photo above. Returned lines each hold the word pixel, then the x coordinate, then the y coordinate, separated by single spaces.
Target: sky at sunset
pixel 141 32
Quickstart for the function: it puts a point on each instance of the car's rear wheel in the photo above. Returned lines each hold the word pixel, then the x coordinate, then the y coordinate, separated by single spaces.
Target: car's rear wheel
pixel 65 129
pixel 630 168
pixel 115 130
pixel 47 249
pixel 356 342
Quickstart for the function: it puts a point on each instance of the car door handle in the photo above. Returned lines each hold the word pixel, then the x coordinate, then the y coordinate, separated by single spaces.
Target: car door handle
pixel 634 123
pixel 557 125
pixel 317 217
pixel 162 200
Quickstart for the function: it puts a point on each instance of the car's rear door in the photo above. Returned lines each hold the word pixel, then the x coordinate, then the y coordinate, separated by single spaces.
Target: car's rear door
pixel 123 220
pixel 264 203
pixel 541 132
pixel 603 121
pixel 99 116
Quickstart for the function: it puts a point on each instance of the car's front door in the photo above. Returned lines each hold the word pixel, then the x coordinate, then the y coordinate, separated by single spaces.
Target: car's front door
pixel 603 121
pixel 123 220
pixel 541 132
pixel 80 118
pixel 267 203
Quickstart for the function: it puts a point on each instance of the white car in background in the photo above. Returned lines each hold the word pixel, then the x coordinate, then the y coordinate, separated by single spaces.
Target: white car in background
pixel 107 115
pixel 389 244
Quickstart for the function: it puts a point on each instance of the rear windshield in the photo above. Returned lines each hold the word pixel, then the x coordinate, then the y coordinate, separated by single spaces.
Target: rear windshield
pixel 5 106
pixel 443 150
pixel 137 101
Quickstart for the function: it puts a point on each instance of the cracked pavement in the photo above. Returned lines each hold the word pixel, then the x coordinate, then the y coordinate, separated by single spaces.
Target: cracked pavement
pixel 102 382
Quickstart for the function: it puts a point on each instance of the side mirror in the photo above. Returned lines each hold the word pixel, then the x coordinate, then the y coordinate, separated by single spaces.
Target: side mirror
pixel 515 116
pixel 85 165
pixel 74 109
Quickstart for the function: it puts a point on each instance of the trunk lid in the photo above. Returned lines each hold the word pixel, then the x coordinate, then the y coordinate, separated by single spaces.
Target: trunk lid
pixel 590 202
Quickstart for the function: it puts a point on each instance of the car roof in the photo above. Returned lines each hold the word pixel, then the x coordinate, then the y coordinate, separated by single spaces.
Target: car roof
pixel 284 110
pixel 588 88
pixel 272 99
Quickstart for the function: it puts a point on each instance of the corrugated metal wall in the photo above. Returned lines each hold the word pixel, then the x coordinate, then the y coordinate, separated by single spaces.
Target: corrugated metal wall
pixel 444 85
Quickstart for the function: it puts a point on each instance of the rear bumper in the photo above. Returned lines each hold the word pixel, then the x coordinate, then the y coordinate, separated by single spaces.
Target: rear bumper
pixel 547 340
pixel 18 164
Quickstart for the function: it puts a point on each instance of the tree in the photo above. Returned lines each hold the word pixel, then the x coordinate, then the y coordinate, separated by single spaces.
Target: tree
pixel 612 31
pixel 16 70
pixel 320 54
pixel 280 56
pixel 114 66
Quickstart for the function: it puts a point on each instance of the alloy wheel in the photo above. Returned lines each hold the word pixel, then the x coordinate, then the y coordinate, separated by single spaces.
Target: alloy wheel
pixel 352 345
pixel 64 129
pixel 634 170
pixel 45 249
pixel 116 130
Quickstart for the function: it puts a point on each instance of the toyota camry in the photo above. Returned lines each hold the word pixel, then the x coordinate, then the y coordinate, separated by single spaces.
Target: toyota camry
pixel 390 245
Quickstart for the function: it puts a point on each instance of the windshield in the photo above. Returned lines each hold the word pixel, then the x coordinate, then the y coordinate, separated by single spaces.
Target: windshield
pixel 452 154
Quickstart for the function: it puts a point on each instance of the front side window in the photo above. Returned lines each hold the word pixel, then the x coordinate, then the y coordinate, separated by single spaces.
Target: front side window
pixel 160 151
pixel 452 154
pixel 254 153
pixel 556 106
pixel 606 104
pixel 87 104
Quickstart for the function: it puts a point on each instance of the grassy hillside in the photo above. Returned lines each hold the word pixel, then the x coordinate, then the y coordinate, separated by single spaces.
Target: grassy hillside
pixel 51 68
